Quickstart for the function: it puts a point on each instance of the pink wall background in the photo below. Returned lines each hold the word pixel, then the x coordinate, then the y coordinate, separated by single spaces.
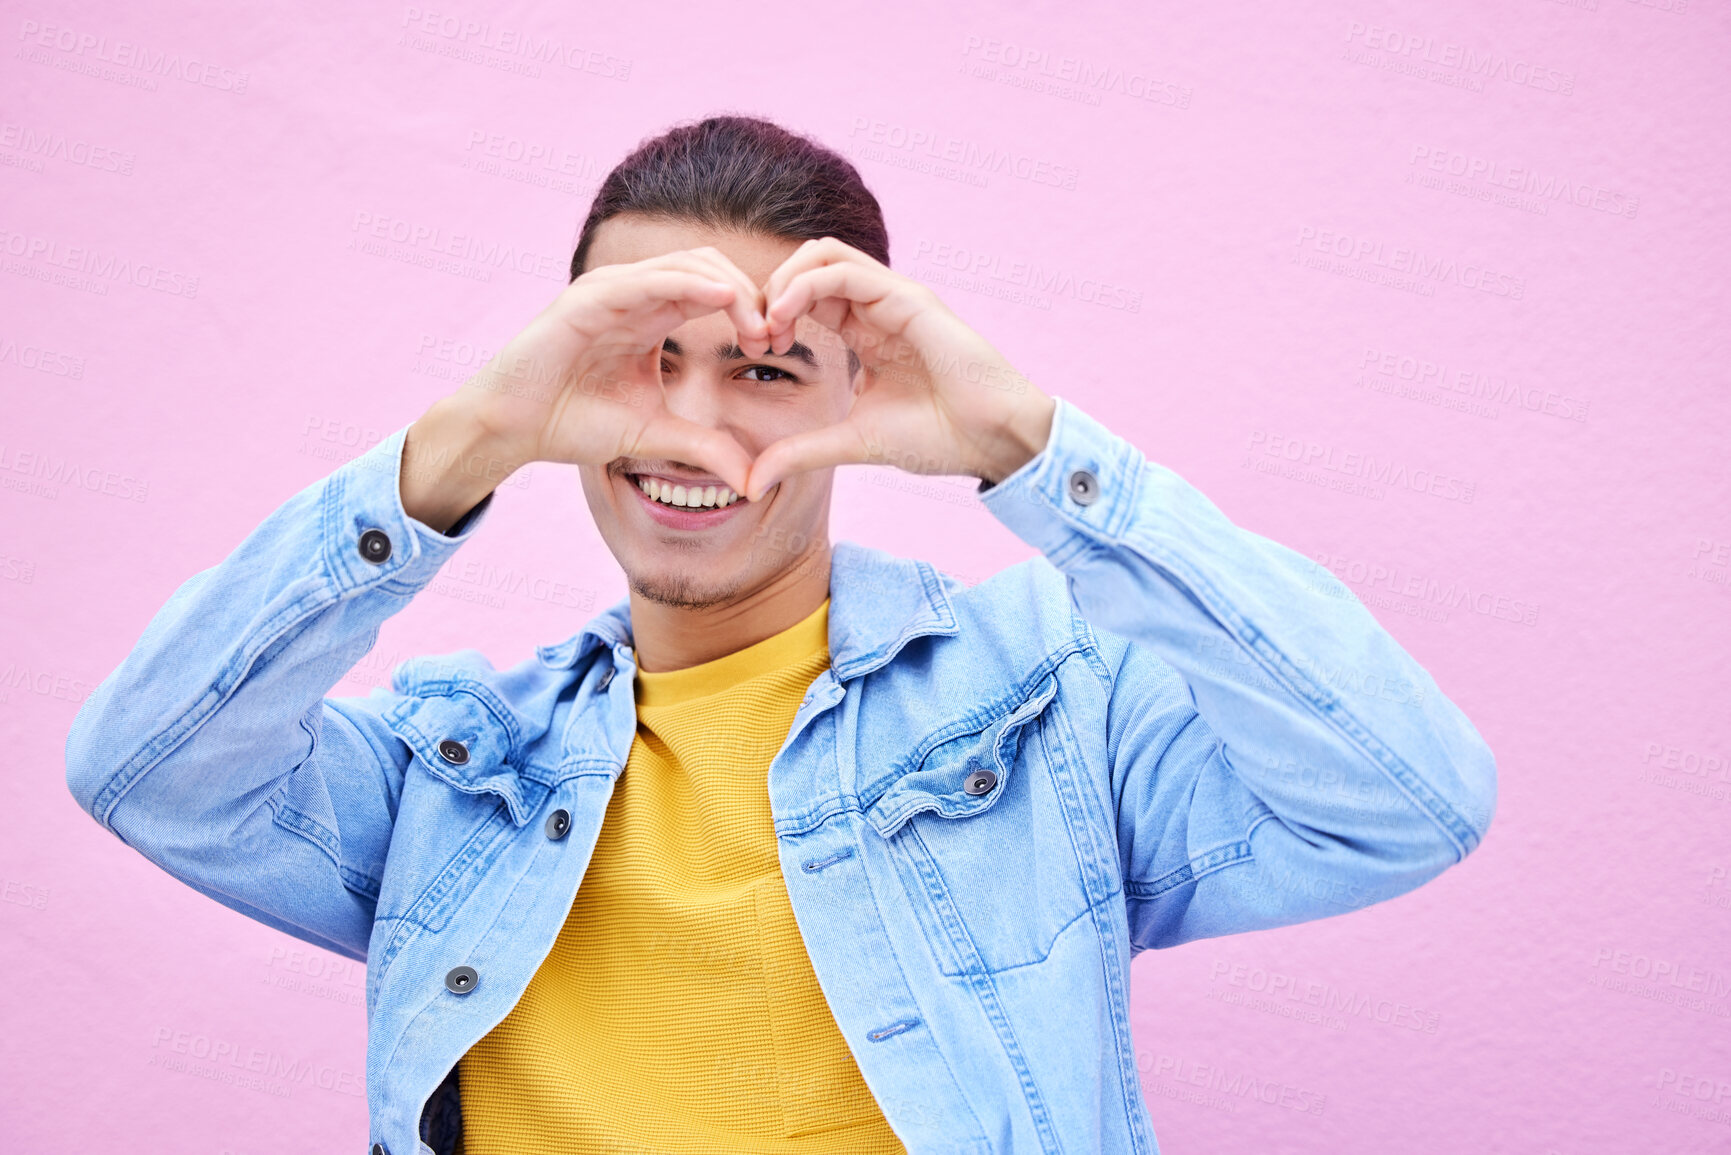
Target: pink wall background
pixel 1200 237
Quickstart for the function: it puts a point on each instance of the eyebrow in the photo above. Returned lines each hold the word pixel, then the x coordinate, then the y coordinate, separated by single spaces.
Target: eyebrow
pixel 728 351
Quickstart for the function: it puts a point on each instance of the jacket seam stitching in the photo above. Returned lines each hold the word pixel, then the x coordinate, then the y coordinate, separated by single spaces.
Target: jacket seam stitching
pixel 1202 865
pixel 1326 707
pixel 915 804
pixel 980 981
pixel 434 899
pixel 1096 861
pixel 512 791
pixel 976 721
pixel 452 685
pixel 298 613
pixel 978 1135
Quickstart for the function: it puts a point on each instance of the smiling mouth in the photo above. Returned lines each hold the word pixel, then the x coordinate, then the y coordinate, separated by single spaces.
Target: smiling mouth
pixel 664 492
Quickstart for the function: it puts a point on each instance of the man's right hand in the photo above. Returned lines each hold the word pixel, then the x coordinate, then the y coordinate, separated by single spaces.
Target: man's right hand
pixel 581 384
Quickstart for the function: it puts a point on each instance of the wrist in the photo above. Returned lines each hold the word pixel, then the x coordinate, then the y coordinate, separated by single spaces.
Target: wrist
pixel 1024 434
pixel 450 462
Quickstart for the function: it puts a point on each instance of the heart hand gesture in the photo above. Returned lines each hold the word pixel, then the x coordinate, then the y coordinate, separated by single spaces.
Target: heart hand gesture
pixel 937 397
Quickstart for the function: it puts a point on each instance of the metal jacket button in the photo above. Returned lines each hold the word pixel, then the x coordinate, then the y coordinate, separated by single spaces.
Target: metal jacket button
pixel 1084 487
pixel 376 546
pixel 606 680
pixel 979 782
pixel 558 824
pixel 461 980
pixel 453 751
pixel 379 1149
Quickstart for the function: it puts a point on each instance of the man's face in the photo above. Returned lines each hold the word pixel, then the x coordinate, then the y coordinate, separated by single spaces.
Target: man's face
pixel 706 557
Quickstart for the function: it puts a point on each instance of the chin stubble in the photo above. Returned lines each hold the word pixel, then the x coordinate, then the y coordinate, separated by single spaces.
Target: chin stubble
pixel 681 592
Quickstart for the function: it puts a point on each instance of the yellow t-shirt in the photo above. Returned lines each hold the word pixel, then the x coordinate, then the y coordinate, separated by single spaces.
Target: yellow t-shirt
pixel 678 1010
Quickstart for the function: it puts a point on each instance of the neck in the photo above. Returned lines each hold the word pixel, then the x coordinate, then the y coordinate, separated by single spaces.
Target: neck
pixel 668 637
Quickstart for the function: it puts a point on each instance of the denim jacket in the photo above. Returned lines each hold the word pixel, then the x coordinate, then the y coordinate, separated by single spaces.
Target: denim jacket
pixel 1165 728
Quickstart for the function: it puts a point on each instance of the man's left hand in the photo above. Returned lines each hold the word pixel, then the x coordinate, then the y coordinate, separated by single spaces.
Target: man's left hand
pixel 937 397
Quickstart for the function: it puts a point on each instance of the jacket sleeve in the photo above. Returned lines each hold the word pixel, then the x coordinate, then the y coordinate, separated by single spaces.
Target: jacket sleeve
pixel 212 750
pixel 1275 755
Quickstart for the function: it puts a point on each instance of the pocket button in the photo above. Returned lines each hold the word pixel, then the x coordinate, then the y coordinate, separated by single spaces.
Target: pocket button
pixel 453 751
pixel 980 782
pixel 461 980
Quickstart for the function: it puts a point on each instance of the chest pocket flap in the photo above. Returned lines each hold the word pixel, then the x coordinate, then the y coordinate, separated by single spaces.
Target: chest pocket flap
pixel 951 757
pixel 471 745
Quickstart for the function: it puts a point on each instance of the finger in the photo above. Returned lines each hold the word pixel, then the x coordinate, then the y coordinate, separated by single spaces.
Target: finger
pixel 645 288
pixel 636 313
pixel 677 439
pixel 746 311
pixel 859 290
pixel 811 255
pixel 744 307
pixel 838 444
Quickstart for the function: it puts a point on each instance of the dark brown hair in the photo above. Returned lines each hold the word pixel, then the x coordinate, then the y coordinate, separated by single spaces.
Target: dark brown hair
pixel 745 173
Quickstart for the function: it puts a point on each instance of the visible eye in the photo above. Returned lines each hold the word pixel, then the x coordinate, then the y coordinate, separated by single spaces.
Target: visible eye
pixel 780 374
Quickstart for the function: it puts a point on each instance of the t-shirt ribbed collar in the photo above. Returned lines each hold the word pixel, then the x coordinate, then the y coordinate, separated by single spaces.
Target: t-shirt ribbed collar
pixel 800 642
pixel 879 603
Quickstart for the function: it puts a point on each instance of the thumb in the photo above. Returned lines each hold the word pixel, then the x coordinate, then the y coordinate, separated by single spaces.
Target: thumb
pixel 838 444
pixel 677 439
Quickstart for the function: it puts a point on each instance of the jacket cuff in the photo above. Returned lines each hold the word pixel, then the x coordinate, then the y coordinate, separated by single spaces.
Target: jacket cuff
pixel 370 538
pixel 1077 491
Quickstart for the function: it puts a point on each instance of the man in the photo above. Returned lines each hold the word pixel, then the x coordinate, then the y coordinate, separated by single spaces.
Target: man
pixel 799 848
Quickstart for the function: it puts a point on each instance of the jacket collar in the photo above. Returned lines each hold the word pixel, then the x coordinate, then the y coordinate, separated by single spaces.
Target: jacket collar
pixel 878 603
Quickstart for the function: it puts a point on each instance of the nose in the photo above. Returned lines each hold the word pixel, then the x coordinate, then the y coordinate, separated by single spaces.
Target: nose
pixel 700 393
pixel 694 394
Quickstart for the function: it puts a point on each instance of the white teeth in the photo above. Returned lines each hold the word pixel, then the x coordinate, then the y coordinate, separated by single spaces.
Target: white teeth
pixel 696 497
